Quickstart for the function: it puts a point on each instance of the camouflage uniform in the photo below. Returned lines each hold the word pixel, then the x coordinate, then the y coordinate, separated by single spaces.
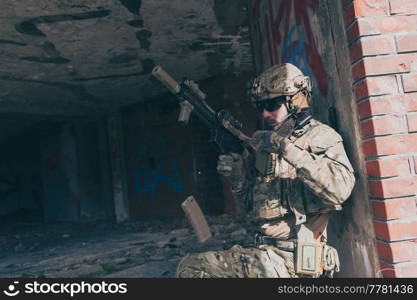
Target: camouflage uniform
pixel 308 177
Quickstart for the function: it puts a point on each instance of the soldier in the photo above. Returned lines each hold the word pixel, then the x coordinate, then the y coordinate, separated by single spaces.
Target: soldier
pixel 297 173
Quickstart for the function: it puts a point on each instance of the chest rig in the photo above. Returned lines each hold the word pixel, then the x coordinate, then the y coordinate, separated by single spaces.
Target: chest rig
pixel 275 182
pixel 266 162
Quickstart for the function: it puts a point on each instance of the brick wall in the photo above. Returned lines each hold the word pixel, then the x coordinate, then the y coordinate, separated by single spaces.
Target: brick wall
pixel 382 37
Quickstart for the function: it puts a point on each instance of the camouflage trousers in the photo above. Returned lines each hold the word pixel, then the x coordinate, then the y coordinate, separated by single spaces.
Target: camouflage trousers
pixel 238 262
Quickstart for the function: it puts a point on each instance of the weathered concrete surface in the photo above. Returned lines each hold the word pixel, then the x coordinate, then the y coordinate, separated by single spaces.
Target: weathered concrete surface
pixel 83 57
pixel 56 167
pixel 311 35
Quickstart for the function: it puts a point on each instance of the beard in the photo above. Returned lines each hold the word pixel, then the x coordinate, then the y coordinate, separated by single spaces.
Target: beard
pixel 284 128
pixel 270 124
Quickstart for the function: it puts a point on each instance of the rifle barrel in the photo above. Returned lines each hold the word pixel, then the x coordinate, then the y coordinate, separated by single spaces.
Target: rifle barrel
pixel 166 79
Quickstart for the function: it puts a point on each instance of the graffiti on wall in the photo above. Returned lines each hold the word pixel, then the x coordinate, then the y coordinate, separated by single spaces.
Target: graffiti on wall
pixel 153 167
pixel 283 32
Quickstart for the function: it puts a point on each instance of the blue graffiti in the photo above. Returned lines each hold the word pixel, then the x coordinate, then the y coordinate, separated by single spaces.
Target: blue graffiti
pixel 295 53
pixel 146 179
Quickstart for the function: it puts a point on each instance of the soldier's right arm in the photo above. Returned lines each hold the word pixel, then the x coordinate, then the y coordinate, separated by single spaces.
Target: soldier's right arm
pixel 324 166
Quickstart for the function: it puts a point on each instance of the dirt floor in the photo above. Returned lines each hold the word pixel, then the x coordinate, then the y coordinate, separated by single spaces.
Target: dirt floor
pixel 142 249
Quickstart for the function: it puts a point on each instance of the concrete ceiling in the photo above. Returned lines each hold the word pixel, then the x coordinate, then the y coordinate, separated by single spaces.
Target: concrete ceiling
pixel 77 57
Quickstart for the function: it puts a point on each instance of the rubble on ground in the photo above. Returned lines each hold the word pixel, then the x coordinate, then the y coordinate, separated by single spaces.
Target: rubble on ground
pixel 103 249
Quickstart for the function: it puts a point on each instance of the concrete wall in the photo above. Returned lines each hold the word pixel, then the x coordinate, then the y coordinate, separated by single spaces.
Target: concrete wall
pixel 310 34
pixel 57 171
pixel 92 172
pixel 159 160
pixel 20 184
pixel 73 173
pixel 59 176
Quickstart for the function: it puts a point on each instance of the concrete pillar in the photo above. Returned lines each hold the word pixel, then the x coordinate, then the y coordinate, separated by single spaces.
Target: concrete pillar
pixel 311 35
pixel 70 169
pixel 105 169
pixel 92 201
pixel 60 176
pixel 383 53
pixel 118 168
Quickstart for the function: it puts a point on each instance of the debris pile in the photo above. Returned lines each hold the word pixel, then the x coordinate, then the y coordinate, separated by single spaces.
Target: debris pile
pixel 98 249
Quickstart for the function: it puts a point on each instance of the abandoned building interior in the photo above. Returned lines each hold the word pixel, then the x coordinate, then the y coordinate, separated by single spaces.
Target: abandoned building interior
pixel 94 165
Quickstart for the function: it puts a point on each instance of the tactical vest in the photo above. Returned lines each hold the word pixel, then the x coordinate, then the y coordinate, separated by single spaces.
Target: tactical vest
pixel 281 193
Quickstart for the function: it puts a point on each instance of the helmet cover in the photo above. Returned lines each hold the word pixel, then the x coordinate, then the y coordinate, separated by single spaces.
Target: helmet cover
pixel 278 80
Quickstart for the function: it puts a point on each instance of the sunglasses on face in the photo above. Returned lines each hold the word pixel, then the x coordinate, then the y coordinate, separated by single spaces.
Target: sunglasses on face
pixel 271 104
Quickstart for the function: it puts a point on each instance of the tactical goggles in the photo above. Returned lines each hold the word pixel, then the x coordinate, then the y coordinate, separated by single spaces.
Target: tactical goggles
pixel 271 104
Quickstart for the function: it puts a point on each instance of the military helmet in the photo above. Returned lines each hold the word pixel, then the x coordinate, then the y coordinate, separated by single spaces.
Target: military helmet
pixel 279 80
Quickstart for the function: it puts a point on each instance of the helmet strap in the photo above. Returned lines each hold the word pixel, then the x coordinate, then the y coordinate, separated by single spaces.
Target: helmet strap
pixel 291 109
pixel 300 101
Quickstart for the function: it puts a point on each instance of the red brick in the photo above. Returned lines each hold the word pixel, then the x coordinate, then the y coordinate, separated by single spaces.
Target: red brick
pixel 390 104
pixel 395 208
pixel 388 167
pixel 349 15
pixel 383 65
pixel 396 187
pixel 381 25
pixel 391 188
pixel 358 70
pixel 388 145
pixel 383 125
pixel 386 270
pixel 415 164
pixel 365 8
pixel 412 122
pixel 396 230
pixel 376 86
pixel 407 42
pixel 369 8
pixel 395 24
pixel 359 28
pixel 398 251
pixel 410 82
pixel 403 6
pixel 365 108
pixel 401 270
pixel 356 51
pixel 345 3
pixel 372 45
pixel 353 32
pixel 410 101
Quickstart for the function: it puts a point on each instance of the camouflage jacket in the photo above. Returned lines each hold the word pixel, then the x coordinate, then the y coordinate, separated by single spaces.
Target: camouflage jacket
pixel 311 175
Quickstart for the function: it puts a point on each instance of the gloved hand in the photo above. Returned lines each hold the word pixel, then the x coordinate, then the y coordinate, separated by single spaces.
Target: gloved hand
pixel 230 166
pixel 268 141
pixel 277 143
pixel 273 141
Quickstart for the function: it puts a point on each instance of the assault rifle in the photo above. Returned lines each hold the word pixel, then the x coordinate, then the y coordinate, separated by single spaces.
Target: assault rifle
pixel 226 131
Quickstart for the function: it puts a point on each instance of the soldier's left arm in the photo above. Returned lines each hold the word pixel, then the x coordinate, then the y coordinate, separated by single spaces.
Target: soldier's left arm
pixel 323 165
